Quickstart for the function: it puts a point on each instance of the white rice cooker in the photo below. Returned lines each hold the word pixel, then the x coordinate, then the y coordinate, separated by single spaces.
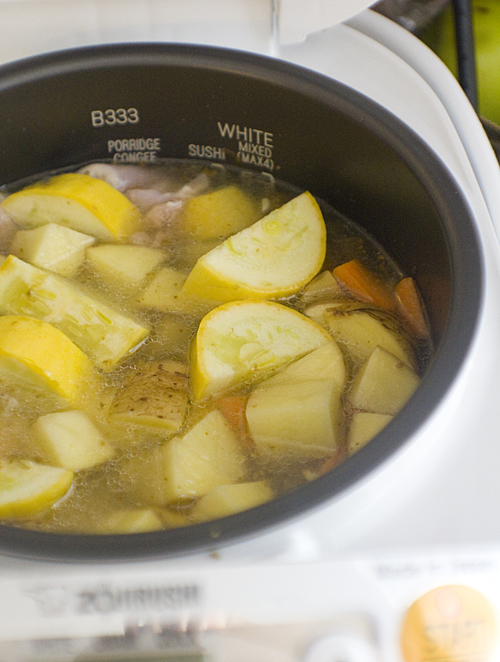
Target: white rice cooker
pixel 405 567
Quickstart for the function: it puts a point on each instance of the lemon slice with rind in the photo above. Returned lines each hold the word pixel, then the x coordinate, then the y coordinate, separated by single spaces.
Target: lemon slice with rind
pixel 27 488
pixel 76 201
pixel 38 358
pixel 242 341
pixel 274 257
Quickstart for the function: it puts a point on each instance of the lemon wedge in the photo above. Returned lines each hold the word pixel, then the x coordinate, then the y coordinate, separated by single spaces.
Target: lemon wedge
pixel 274 257
pixel 27 488
pixel 104 334
pixel 36 356
pixel 242 341
pixel 76 201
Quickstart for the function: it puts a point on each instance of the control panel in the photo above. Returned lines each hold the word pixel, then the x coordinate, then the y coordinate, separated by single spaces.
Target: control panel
pixel 433 608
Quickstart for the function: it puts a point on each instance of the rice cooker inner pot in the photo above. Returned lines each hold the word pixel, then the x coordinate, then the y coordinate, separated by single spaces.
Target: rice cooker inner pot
pixel 146 101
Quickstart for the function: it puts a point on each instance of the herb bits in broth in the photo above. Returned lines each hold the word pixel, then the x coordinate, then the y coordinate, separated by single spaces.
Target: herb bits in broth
pixel 182 342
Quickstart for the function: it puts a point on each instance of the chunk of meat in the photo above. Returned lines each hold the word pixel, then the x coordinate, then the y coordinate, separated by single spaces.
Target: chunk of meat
pixel 124 177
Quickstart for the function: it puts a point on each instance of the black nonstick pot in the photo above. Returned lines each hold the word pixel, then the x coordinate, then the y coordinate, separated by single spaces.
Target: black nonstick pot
pixel 145 101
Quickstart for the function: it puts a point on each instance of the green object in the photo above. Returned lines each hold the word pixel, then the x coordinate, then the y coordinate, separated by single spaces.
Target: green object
pixel 486 22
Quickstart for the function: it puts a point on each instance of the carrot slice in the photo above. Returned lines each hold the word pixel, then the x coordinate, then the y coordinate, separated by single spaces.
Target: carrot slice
pixel 411 307
pixel 233 409
pixel 364 285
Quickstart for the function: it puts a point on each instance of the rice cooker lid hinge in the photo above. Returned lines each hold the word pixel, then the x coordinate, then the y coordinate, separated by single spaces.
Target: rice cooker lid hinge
pixel 293 20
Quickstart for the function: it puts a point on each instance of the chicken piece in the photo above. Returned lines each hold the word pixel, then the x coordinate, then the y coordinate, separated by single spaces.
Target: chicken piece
pixel 164 214
pixel 147 198
pixel 123 177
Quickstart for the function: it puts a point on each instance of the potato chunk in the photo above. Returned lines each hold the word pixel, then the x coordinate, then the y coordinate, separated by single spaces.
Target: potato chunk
pixel 227 500
pixel 124 265
pixel 325 362
pixel 219 213
pixel 384 384
pixel 319 311
pixel 323 287
pixel 205 457
pixel 165 293
pixel 69 439
pixel 139 520
pixel 299 408
pixel 52 247
pixel 299 417
pixel 361 331
pixel 365 426
pixel 155 394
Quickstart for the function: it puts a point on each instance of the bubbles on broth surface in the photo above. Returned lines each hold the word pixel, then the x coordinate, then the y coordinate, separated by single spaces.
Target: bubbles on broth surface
pixel 135 481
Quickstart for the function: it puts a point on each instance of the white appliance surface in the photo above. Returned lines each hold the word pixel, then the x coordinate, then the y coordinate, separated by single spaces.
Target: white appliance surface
pixel 334 585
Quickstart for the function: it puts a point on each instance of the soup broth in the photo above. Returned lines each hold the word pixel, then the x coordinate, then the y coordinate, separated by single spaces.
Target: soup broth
pixel 180 343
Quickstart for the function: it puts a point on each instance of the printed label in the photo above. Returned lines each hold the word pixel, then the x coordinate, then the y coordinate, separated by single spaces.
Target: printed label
pixel 112 117
pixel 134 150
pixel 107 599
pixel 207 152
pixel 253 146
